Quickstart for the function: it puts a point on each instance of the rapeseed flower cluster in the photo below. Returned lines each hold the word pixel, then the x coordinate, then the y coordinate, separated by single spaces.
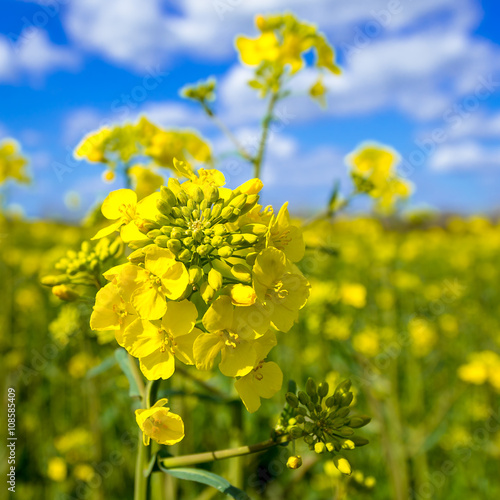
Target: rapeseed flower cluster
pixel 373 171
pixel 211 279
pixel 278 52
pixel 12 162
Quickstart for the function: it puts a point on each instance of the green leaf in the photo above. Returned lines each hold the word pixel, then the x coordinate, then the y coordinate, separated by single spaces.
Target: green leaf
pixel 102 367
pixel 121 356
pixel 208 478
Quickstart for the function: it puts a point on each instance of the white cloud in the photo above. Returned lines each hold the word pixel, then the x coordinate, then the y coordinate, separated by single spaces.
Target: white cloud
pixel 466 156
pixel 477 124
pixel 136 32
pixel 33 55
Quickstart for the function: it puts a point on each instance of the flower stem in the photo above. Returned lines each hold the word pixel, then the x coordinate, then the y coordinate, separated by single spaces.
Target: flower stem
pixel 141 481
pixel 212 456
pixel 259 157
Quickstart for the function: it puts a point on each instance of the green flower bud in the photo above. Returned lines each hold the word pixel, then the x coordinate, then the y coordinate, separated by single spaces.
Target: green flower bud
pixel 220 230
pixel 162 241
pixel 323 389
pixel 191 204
pixel 346 399
pixel 346 431
pixel 182 197
pixel 251 239
pixel 359 441
pixel 163 207
pixel 197 194
pixel 341 413
pixel 204 250
pixel 292 399
pixel 162 220
pixel 255 228
pixel 176 213
pixel 149 225
pixel 168 196
pixel 177 233
pixel 207 292
pixel 215 279
pixel 216 241
pixel 174 245
pixel 311 387
pixel 185 255
pixel 217 209
pixel 186 212
pixel 54 280
pixel 235 239
pixel 154 233
pixel 300 419
pixel 239 201
pixel 301 411
pixel 225 252
pixel 303 398
pixel 211 194
pixel 242 273
pixel 343 387
pixel 295 432
pixel 337 422
pixel 187 241
pixel 309 427
pixel 308 439
pixel 195 274
pixel 359 421
pixel 227 212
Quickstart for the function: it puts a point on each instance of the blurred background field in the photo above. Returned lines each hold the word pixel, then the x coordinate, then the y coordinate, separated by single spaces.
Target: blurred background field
pixel 404 291
pixel 407 310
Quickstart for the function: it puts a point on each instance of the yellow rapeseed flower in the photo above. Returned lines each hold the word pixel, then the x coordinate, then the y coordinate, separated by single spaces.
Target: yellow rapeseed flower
pixel 160 424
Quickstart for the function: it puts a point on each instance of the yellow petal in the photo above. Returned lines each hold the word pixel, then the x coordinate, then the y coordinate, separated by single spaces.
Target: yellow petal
pixel 238 361
pixel 219 315
pixel 158 365
pixel 141 338
pixel 205 349
pixel 149 301
pixel 184 346
pixel 180 317
pixel 248 393
pixel 112 206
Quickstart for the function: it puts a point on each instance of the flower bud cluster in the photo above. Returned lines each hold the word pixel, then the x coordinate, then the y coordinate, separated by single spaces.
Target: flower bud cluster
pixel 324 422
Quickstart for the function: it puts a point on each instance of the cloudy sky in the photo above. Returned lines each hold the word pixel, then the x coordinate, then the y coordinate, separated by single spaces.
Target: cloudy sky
pixel 420 75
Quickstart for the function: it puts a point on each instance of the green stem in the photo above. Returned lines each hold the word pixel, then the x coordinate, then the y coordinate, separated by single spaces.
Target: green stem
pixel 141 481
pixel 257 161
pixel 212 456
pixel 222 127
pixel 137 377
pixel 143 451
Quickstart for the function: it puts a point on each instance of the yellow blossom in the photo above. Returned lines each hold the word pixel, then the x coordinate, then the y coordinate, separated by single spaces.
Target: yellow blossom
pixel 264 381
pixel 286 237
pixel 161 277
pixel 158 343
pixel 280 287
pixel 233 332
pixel 160 424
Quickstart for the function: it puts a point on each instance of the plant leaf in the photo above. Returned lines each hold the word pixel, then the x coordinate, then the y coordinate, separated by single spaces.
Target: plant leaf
pixel 102 367
pixel 208 478
pixel 121 356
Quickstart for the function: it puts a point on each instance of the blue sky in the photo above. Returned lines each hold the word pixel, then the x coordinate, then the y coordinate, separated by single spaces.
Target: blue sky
pixel 420 75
